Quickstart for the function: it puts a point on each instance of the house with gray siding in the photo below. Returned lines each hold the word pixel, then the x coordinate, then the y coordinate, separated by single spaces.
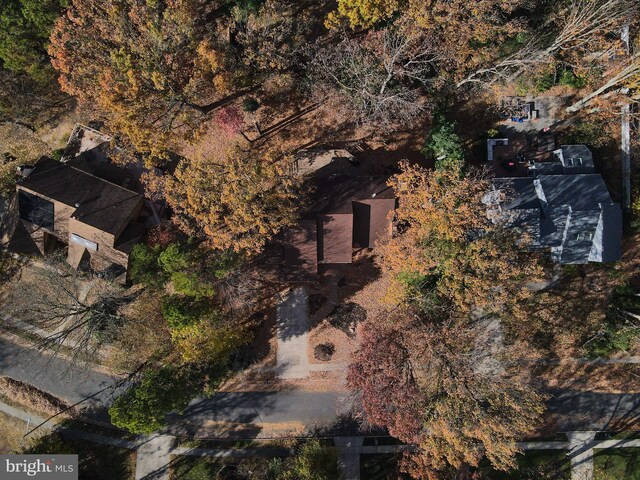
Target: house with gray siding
pixel 564 206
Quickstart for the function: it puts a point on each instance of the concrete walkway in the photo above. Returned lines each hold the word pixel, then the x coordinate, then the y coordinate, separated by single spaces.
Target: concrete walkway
pixel 581 454
pixel 349 449
pixel 293 324
pixel 154 458
pixel 293 335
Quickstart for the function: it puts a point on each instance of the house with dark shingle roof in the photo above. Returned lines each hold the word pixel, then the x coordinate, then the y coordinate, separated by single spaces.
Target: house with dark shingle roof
pixel 564 206
pixel 86 205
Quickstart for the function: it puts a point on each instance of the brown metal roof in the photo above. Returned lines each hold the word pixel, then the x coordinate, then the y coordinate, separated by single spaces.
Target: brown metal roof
pixel 301 248
pixel 335 238
pixel 344 212
pixel 336 193
pixel 372 221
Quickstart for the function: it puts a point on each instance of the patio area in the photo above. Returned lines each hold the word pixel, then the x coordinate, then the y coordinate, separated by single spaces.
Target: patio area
pixel 513 153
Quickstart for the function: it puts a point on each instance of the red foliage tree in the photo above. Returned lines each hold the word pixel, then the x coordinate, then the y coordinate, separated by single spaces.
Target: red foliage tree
pixel 229 119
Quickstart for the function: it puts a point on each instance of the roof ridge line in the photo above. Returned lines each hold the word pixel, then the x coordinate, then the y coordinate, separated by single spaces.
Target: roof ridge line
pixel 100 178
pixel 106 206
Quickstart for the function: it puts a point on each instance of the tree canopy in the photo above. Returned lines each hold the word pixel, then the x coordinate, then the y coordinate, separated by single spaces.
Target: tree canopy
pixel 25 26
pixel 420 370
pixel 237 204
pixel 451 248
pixel 419 376
pixel 148 64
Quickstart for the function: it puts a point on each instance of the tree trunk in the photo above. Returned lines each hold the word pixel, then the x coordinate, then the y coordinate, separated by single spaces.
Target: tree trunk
pixel 628 72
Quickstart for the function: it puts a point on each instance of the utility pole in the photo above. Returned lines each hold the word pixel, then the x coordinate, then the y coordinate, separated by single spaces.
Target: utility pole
pixel 625 149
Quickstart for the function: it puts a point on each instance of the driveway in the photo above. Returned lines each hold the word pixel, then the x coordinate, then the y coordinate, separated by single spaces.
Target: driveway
pixel 293 335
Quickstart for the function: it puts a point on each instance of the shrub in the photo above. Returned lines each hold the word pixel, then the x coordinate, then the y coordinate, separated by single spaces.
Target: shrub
pixel 614 339
pixel 570 79
pixel 174 259
pixel 618 333
pixel 250 105
pixel 181 312
pixel 589 133
pixel 492 133
pixel 57 154
pixel 210 342
pixel 183 266
pixel 142 408
pixel 545 81
pixel 444 146
pixel 312 461
pixel 144 267
pixel 188 283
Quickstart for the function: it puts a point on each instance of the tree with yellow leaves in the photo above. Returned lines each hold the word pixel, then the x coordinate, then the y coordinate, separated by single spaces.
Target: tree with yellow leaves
pixel 362 13
pixel 239 203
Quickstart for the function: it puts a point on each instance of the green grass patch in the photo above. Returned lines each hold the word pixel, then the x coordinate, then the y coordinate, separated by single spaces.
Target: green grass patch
pixel 616 464
pixel 534 465
pixel 381 466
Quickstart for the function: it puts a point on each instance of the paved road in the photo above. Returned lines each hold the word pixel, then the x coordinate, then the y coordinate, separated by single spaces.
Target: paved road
pixel 578 410
pixel 593 410
pixel 53 375
pixel 288 410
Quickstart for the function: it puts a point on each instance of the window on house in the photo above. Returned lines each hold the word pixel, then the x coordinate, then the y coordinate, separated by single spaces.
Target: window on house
pixel 35 209
pixel 584 236
pixel 88 244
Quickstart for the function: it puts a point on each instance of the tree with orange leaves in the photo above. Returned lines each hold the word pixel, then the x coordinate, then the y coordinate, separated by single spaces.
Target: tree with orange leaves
pixel 147 64
pixel 420 370
pixel 421 376
pixel 451 248
pixel 238 203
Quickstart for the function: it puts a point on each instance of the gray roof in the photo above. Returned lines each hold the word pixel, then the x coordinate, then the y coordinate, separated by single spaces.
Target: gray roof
pixel 577 158
pixel 548 168
pixel 570 213
pixel 580 192
pixel 553 226
pixel 611 233
pixel 580 236
pixel 519 192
